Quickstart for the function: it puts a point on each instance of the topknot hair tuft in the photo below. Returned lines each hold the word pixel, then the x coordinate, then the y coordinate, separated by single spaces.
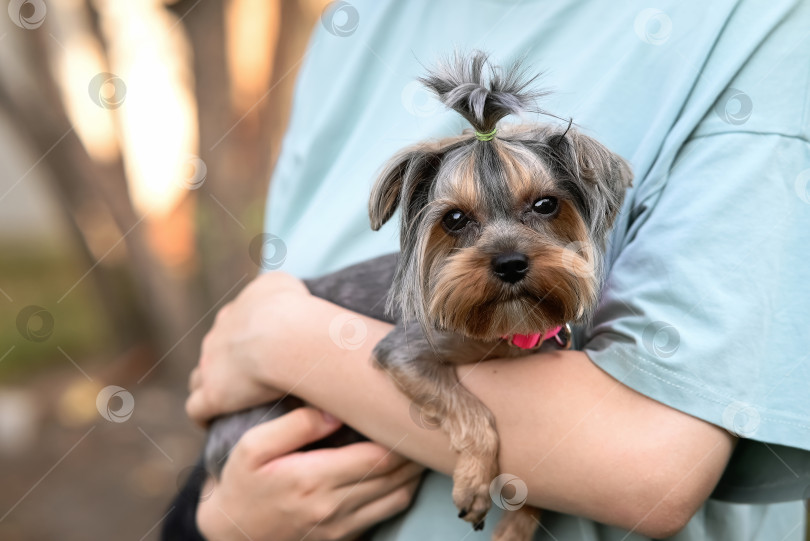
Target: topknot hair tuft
pixel 482 93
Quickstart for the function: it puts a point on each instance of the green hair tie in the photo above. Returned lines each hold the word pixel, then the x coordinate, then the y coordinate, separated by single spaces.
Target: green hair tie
pixel 489 136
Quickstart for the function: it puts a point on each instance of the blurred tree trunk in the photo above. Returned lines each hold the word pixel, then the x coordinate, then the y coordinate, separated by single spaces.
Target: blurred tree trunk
pixel 42 123
pixel 128 325
pixel 146 299
pixel 239 147
pixel 221 242
pixel 153 307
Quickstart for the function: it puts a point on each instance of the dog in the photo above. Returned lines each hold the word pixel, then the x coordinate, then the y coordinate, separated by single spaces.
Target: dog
pixel 502 234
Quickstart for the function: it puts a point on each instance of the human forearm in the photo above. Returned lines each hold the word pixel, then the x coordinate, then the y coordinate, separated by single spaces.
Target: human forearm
pixel 584 443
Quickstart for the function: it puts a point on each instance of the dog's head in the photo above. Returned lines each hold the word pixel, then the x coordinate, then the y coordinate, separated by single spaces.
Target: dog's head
pixel 499 234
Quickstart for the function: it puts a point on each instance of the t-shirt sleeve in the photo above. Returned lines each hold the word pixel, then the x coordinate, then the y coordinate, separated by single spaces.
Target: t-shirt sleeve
pixel 706 307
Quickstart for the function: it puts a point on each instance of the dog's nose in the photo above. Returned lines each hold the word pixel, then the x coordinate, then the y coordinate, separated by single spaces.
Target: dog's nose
pixel 510 267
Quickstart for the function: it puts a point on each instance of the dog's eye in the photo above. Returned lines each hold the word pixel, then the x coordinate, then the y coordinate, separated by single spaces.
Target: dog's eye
pixel 545 206
pixel 455 220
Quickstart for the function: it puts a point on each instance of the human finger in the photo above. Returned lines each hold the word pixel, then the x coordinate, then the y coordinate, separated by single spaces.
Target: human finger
pixel 378 510
pixel 352 463
pixel 361 493
pixel 285 434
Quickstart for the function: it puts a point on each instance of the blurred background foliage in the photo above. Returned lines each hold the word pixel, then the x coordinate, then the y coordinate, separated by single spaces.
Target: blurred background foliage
pixel 136 141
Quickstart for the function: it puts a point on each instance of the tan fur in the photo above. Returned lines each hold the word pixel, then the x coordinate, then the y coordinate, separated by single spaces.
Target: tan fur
pixel 465 297
pixel 527 176
pixel 517 525
pixel 568 226
pixel 464 190
pixel 471 428
pixel 455 294
pixel 448 285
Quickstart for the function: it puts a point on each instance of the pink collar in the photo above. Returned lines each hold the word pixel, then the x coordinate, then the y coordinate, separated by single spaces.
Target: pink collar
pixel 531 341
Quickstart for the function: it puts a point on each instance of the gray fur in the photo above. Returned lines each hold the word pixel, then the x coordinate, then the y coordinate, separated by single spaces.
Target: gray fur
pixel 361 288
pixel 224 432
pixel 594 178
pixel 424 182
pixel 480 92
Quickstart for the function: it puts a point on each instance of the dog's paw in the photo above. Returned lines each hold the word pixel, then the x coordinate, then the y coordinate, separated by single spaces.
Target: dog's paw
pixel 517 525
pixel 471 491
pixel 473 504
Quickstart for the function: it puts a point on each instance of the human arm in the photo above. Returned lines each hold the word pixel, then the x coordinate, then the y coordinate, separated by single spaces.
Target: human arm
pixel 584 443
pixel 321 494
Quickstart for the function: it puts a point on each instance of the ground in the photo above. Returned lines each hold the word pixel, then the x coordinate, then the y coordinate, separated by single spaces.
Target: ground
pixel 71 475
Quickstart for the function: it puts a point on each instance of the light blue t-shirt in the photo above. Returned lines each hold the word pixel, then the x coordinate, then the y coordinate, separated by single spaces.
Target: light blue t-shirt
pixel 706 305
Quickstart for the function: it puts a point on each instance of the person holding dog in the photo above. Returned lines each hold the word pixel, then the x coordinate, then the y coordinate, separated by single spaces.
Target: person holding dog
pixel 681 413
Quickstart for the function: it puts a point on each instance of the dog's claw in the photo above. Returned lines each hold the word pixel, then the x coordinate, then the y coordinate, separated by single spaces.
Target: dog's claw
pixel 472 499
pixel 478 526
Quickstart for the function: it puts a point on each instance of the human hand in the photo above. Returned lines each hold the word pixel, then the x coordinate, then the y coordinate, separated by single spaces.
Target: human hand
pixel 334 494
pixel 228 376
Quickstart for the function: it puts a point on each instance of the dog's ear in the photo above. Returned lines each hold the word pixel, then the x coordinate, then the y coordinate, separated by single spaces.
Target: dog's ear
pixel 601 175
pixel 403 181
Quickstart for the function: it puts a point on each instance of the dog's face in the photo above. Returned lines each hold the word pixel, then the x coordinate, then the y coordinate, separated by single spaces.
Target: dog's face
pixel 503 236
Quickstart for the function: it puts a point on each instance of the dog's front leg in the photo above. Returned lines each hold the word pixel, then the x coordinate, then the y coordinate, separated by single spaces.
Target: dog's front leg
pixel 440 400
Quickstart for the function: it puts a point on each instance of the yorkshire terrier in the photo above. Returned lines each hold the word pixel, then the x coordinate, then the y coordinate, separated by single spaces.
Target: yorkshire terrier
pixel 502 231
